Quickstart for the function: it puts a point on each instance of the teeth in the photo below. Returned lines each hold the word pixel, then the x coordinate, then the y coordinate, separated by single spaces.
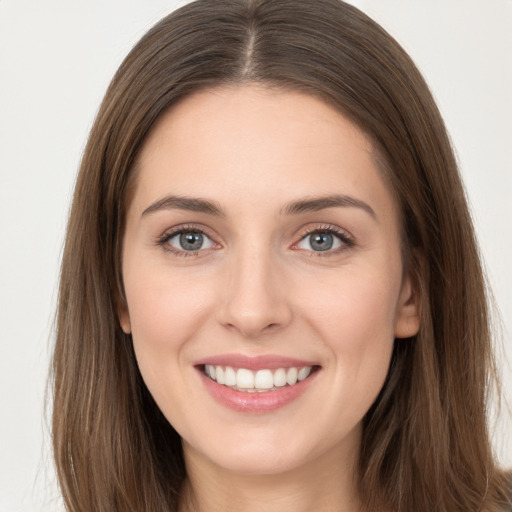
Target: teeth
pixel 243 379
pixel 279 378
pixel 230 376
pixel 291 376
pixel 264 379
pixel 303 373
pixel 219 375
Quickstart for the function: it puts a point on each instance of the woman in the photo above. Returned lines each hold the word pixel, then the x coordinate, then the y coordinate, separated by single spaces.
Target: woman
pixel 271 296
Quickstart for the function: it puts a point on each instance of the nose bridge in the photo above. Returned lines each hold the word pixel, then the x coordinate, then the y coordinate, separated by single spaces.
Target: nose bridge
pixel 255 299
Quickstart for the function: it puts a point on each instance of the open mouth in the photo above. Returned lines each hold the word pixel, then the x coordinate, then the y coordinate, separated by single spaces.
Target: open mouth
pixel 254 381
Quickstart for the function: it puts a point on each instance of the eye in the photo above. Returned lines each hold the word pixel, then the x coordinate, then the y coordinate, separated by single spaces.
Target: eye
pixel 187 240
pixel 323 240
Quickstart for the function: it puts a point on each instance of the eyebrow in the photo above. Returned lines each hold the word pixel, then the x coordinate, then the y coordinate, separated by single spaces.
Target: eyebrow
pixel 316 204
pixel 192 204
pixel 309 204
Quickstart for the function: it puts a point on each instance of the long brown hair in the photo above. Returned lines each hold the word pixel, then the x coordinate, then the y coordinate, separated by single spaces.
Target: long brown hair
pixel 425 442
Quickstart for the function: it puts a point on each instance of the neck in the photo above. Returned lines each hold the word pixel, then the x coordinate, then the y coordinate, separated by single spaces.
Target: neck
pixel 323 485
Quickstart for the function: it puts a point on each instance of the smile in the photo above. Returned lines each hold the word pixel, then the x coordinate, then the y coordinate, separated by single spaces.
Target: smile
pixel 258 384
pixel 263 380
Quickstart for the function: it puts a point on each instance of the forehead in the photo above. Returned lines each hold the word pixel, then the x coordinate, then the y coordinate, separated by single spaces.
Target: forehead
pixel 247 144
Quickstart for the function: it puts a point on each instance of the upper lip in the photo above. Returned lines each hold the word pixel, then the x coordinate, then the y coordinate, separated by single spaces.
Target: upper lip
pixel 268 361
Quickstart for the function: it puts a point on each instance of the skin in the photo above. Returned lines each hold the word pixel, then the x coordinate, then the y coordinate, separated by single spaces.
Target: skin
pixel 259 288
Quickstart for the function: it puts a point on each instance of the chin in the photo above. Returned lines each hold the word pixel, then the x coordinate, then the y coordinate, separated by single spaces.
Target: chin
pixel 258 461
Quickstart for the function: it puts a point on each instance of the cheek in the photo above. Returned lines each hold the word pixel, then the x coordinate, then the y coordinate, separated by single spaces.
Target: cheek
pixel 165 312
pixel 355 318
pixel 358 307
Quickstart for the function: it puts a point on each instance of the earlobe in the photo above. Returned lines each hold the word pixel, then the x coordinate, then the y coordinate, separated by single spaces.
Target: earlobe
pixel 124 320
pixel 124 317
pixel 408 314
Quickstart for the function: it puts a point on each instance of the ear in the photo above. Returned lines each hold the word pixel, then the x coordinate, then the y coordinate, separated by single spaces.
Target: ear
pixel 408 314
pixel 123 315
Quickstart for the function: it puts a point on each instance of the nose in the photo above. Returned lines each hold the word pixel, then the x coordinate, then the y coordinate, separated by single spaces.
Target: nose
pixel 254 300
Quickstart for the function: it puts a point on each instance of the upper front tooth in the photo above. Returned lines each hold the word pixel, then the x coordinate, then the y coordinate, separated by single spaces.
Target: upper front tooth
pixel 264 379
pixel 244 378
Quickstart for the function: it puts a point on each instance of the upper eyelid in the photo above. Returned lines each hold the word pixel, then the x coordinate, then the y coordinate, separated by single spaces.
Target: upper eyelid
pixel 184 228
pixel 336 230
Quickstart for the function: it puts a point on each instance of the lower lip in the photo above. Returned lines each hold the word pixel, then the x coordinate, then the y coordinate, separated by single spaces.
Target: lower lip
pixel 256 402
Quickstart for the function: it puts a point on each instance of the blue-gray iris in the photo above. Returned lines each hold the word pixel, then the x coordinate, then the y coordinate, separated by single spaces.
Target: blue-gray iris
pixel 191 241
pixel 321 241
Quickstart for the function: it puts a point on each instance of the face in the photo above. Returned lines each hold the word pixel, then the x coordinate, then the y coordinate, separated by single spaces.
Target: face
pixel 263 277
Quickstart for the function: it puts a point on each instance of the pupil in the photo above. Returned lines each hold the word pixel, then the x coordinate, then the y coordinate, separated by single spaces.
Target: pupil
pixel 191 241
pixel 321 242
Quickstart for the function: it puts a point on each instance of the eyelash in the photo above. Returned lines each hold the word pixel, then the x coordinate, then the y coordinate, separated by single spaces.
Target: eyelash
pixel 164 239
pixel 346 240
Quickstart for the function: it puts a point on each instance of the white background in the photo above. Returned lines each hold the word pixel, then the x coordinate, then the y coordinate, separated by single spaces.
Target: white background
pixel 56 59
